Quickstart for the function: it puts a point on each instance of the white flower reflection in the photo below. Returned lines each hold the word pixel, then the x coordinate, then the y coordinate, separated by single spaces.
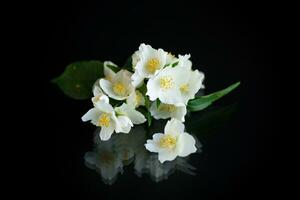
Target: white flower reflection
pixel 109 158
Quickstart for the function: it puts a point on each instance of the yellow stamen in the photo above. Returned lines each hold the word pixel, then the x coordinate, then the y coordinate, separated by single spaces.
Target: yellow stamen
pixel 167 141
pixel 104 120
pixel 167 108
pixel 119 89
pixel 166 82
pixel 184 88
pixel 152 65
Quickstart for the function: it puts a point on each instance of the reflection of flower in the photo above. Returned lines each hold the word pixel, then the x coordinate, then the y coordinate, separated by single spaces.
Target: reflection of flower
pixel 105 160
pixel 110 157
pixel 174 142
pixel 147 163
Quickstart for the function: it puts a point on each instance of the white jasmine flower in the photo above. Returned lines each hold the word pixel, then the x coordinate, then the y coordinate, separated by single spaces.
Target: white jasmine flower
pixel 136 98
pixel 148 61
pixel 119 86
pixel 175 85
pixel 103 115
pixel 174 142
pixel 165 111
pixel 165 86
pixel 129 111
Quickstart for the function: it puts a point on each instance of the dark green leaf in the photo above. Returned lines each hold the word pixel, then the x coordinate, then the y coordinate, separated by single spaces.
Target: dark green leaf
pixel 200 103
pixel 78 78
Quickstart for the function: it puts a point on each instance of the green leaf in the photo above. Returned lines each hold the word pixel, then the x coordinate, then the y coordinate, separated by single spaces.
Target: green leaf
pixel 175 64
pixel 200 103
pixel 78 78
pixel 158 102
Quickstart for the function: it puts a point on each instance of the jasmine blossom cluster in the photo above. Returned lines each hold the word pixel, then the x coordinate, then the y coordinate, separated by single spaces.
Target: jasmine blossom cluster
pixel 159 84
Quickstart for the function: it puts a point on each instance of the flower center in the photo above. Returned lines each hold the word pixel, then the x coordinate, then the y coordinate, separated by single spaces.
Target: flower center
pixel 167 107
pixel 119 89
pixel 184 88
pixel 167 141
pixel 152 65
pixel 166 82
pixel 104 120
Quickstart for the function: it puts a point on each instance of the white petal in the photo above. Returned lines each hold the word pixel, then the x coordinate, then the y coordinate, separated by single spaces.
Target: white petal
pixel 92 114
pixel 153 89
pixel 171 96
pixel 136 80
pixel 107 88
pixel 104 107
pixel 106 133
pixel 185 62
pixel 195 83
pixel 135 116
pixel 186 145
pixel 96 89
pixel 152 145
pixel 109 73
pixel 100 97
pixel 123 124
pixel 179 113
pixel 174 127
pixel 158 114
pixel 166 155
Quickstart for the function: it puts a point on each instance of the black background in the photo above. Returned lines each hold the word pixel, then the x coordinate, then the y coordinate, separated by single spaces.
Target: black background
pixel 229 42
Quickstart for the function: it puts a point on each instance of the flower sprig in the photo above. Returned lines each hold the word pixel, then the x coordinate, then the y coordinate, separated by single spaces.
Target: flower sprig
pixel 155 84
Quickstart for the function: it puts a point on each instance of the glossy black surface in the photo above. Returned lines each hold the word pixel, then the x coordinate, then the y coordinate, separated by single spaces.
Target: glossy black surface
pixel 228 42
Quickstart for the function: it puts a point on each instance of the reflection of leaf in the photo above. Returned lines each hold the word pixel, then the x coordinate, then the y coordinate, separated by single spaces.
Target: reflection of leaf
pixel 199 103
pixel 78 78
pixel 210 119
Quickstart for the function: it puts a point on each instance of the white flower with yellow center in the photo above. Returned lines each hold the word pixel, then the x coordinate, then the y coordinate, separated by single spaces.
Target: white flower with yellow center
pixel 136 99
pixel 164 86
pixel 174 142
pixel 147 62
pixel 165 111
pixel 103 115
pixel 129 111
pixel 118 86
pixel 176 85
